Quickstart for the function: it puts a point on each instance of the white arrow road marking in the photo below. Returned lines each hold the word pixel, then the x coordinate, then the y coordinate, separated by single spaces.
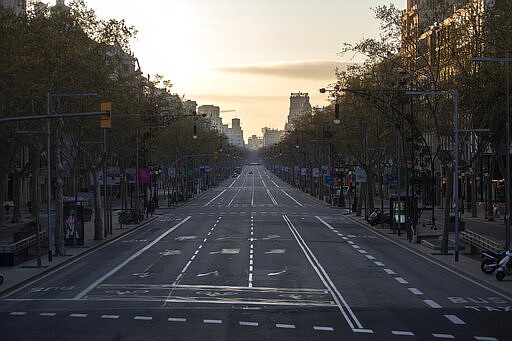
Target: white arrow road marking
pixel 276 251
pixel 170 252
pixel 216 273
pixel 182 238
pixel 278 273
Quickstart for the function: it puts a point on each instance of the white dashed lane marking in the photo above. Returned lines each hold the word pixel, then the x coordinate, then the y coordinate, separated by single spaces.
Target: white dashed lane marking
pixel 324 329
pixel 143 318
pixel 248 324
pixel 432 304
pixel 443 336
pixel 78 315
pixel 415 291
pixel 212 321
pixel 110 317
pixel 176 319
pixel 47 314
pixel 402 333
pixel 454 319
pixel 285 326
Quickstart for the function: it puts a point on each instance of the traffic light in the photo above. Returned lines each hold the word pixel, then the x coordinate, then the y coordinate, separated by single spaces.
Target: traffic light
pixel 105 120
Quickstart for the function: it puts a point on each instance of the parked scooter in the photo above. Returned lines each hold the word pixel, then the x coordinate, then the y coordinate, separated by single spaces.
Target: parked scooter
pixel 505 266
pixel 490 260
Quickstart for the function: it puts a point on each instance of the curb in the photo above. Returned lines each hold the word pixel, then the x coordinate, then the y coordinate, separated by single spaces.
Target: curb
pixel 433 259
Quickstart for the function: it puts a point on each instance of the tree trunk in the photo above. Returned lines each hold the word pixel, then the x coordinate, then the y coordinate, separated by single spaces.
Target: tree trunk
pixel 34 201
pixel 474 207
pixel 59 200
pixel 3 190
pixel 490 210
pixel 98 221
pixel 16 215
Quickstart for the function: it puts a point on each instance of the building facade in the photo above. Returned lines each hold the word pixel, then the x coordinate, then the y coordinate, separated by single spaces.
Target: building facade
pixel 212 114
pixel 299 107
pixel 271 136
pixel 235 134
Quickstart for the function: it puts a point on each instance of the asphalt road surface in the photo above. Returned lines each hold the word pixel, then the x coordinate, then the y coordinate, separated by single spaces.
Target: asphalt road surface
pixel 253 259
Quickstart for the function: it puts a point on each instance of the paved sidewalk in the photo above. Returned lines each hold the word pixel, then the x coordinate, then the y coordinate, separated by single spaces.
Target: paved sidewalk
pixel 16 276
pixel 468 265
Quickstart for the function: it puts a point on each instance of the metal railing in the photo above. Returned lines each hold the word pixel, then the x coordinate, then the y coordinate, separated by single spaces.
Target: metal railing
pixel 481 242
pixel 24 243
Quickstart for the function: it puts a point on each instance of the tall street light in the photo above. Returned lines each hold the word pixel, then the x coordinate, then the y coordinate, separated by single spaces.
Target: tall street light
pixel 507 127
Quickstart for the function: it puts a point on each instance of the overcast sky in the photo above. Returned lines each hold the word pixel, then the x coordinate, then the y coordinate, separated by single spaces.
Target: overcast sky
pixel 245 55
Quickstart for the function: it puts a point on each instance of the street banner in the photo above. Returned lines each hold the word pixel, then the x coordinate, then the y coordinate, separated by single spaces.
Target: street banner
pixel 360 175
pixel 144 177
pixel 303 171
pixel 316 172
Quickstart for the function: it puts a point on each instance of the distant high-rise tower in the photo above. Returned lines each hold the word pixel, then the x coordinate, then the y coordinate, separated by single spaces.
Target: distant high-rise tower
pixel 299 106
pixel 235 134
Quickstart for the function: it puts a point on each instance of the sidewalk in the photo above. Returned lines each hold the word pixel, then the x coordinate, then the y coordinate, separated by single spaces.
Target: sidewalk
pixel 468 264
pixel 15 276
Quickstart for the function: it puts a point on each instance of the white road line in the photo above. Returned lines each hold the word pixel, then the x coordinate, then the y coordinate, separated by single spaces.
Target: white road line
pixel 415 291
pixel 111 317
pixel 401 280
pixel 48 314
pixel 84 292
pixel 248 324
pixel 272 197
pixel 370 257
pixel 78 315
pixel 323 329
pixel 176 319
pixel 485 338
pixel 432 304
pixel 390 272
pixel 275 183
pixel 285 326
pixel 454 319
pixel 443 336
pixel 209 202
pixel 143 318
pixel 289 196
pixel 18 313
pixel 342 304
pixel 212 321
pixel 362 251
pixel 402 333
pixel 378 263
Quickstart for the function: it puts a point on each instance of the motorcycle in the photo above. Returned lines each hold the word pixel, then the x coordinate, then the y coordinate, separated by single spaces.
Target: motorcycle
pixel 377 216
pixel 504 266
pixel 490 260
